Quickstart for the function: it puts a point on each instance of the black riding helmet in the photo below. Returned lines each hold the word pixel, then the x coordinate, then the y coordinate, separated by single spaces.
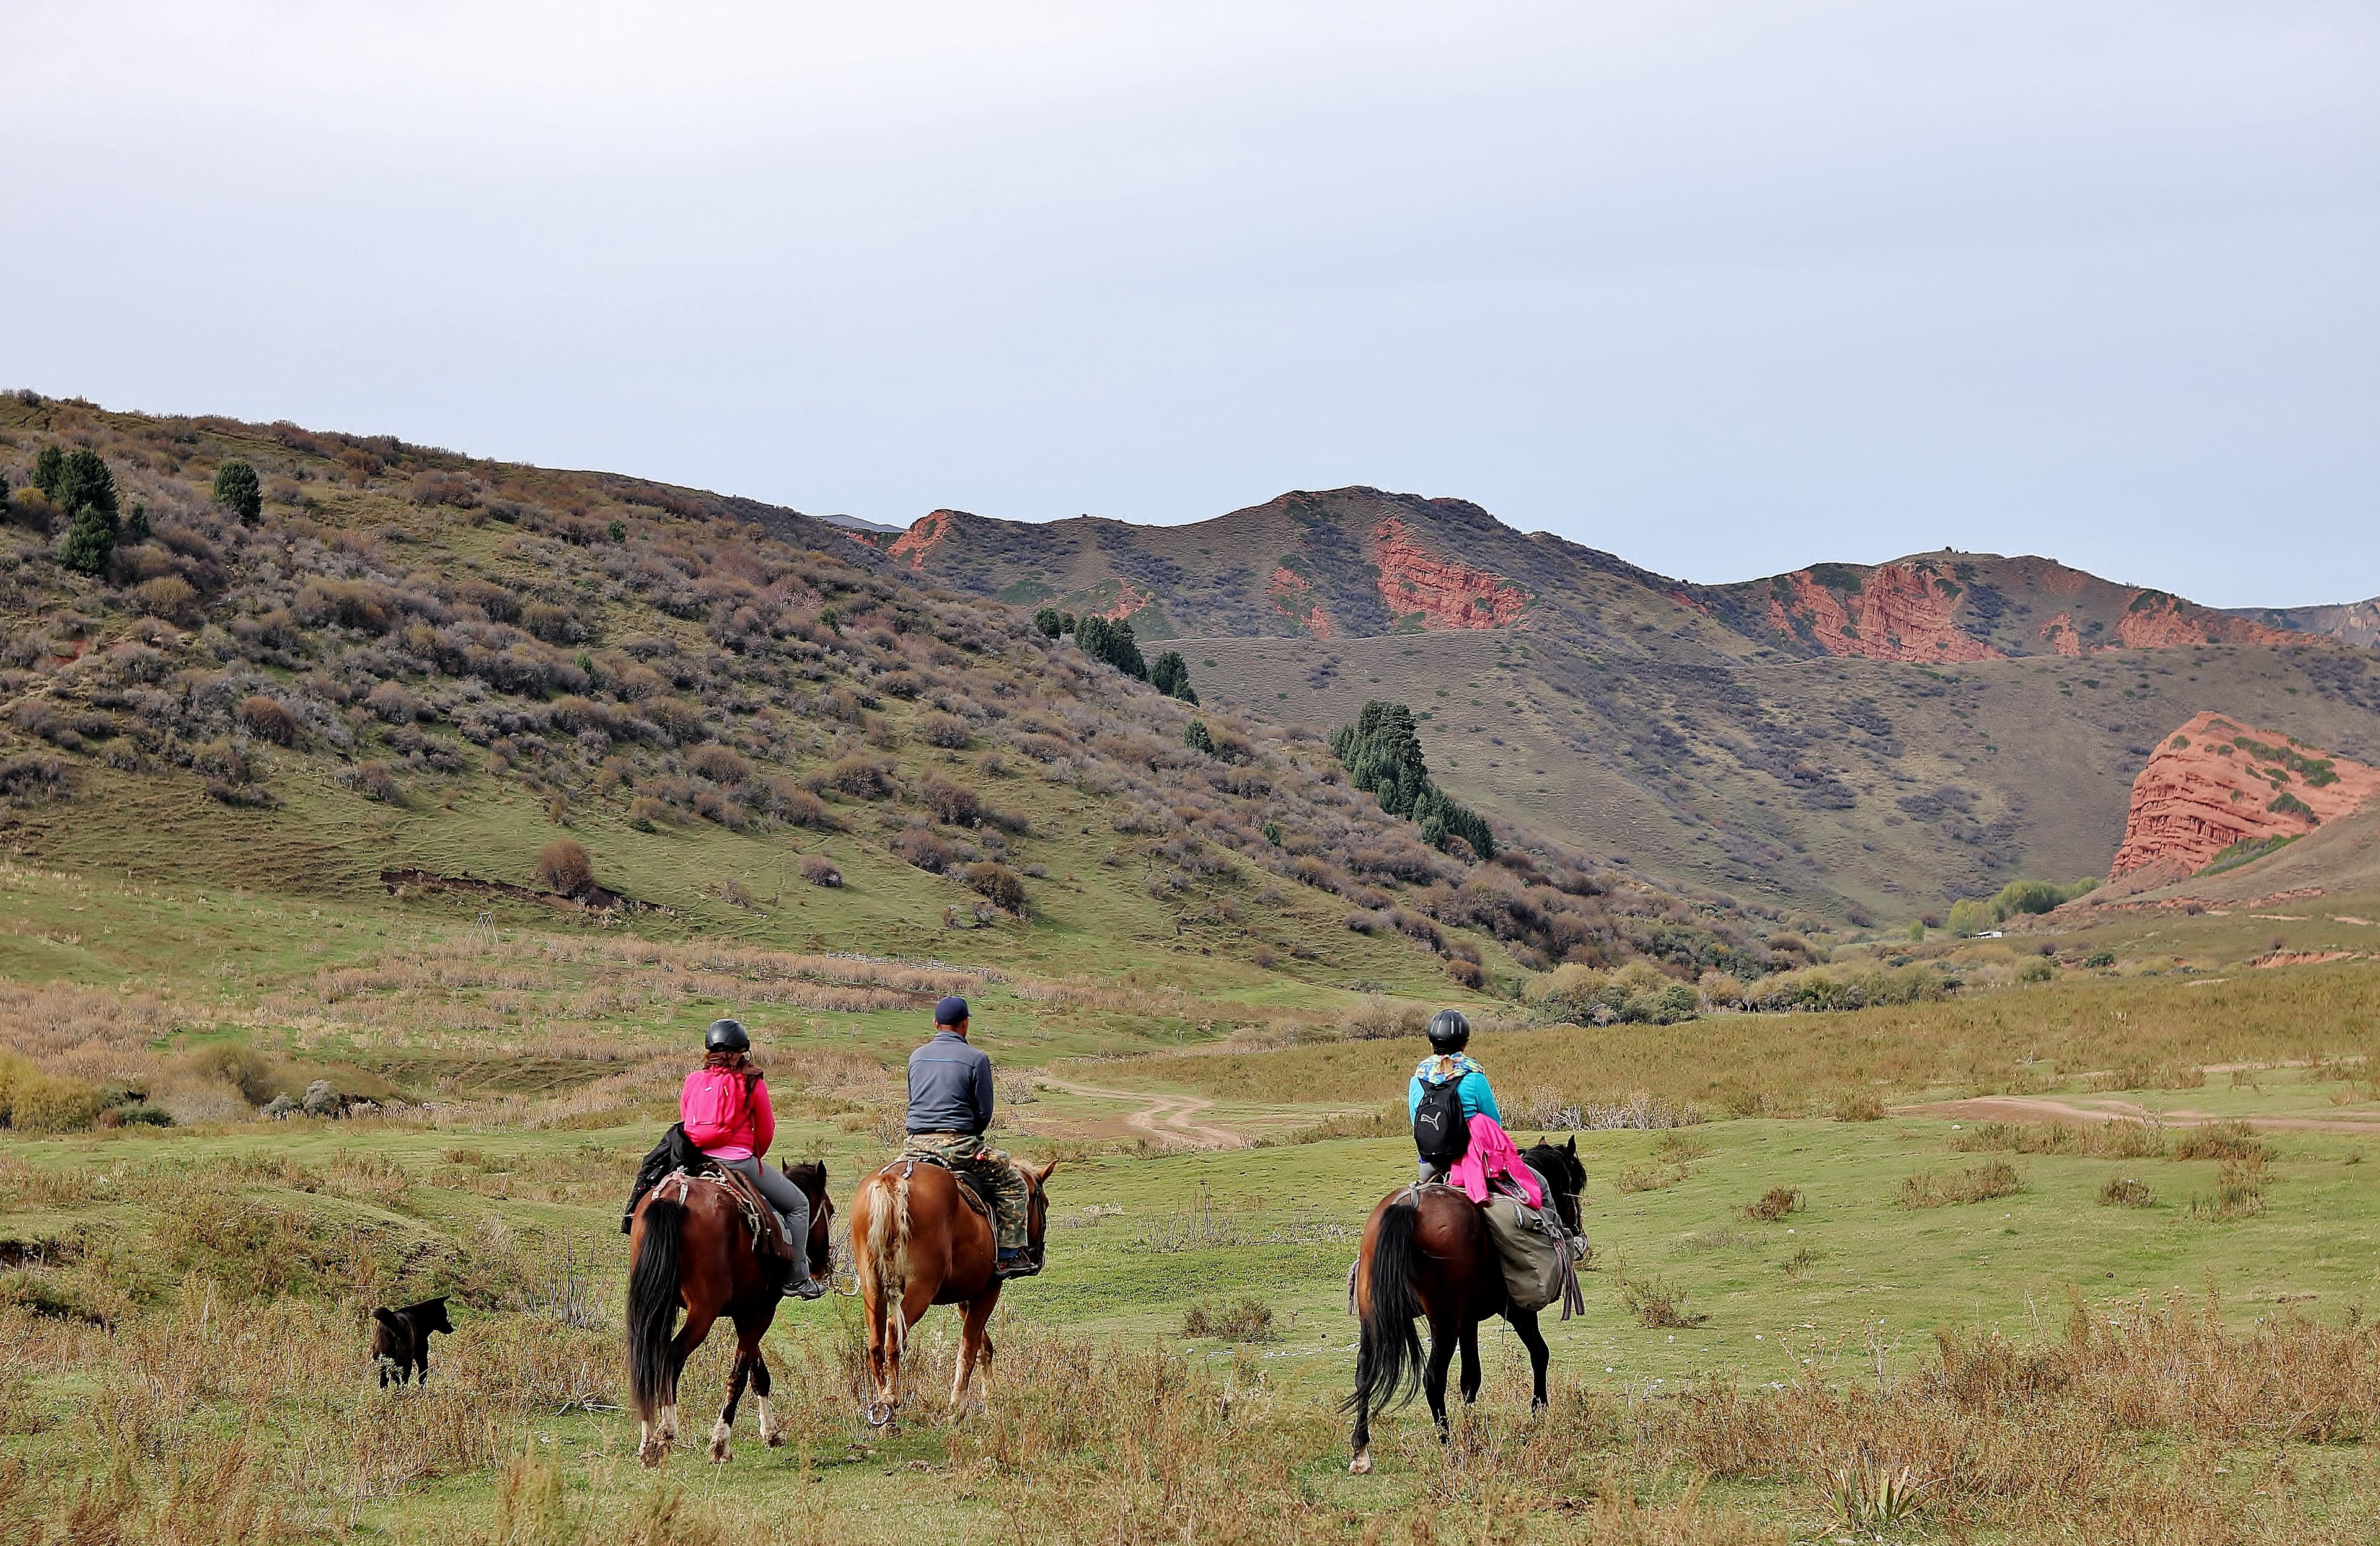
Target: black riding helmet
pixel 726 1035
pixel 1449 1032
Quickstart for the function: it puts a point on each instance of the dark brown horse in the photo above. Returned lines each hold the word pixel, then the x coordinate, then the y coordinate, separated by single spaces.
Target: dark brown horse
pixel 691 1245
pixel 1426 1251
pixel 917 1244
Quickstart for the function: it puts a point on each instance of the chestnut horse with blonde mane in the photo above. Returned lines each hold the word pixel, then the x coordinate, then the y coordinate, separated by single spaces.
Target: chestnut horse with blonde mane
pixel 918 1243
pixel 691 1245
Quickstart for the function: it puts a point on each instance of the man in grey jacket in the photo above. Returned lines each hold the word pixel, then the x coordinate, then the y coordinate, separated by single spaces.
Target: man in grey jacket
pixel 949 1105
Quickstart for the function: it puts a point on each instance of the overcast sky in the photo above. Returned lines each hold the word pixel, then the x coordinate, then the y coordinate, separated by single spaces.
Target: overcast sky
pixel 1725 288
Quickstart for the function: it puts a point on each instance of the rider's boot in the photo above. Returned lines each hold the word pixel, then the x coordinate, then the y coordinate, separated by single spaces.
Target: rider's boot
pixel 800 1285
pixel 1017 1264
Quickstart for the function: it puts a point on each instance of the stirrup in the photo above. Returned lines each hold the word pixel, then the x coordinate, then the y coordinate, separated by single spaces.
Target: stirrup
pixel 1023 1264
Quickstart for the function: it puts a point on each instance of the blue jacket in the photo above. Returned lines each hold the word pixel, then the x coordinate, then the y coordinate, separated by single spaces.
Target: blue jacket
pixel 949 1087
pixel 1478 1099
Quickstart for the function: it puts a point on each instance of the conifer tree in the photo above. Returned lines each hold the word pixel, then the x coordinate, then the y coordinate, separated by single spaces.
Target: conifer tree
pixel 236 490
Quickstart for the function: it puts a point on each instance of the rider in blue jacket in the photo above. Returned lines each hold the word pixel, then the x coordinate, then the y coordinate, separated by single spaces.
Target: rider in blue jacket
pixel 1449 1034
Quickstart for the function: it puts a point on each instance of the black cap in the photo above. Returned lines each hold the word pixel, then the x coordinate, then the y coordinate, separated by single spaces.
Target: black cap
pixel 951 1011
pixel 726 1035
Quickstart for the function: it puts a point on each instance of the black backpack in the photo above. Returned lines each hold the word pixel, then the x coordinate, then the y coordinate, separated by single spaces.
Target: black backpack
pixel 1440 1131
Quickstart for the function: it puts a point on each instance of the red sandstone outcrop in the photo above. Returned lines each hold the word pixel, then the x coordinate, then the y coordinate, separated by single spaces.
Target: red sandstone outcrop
pixel 2061 634
pixel 1900 612
pixel 1129 598
pixel 2216 782
pixel 1446 594
pixel 2156 621
pixel 929 532
pixel 1294 594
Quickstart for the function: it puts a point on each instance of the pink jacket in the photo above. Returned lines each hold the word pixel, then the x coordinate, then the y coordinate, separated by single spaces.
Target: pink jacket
pixel 1491 1154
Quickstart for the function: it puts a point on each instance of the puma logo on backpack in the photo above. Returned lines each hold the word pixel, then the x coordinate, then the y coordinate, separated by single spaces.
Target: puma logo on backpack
pixel 1440 1133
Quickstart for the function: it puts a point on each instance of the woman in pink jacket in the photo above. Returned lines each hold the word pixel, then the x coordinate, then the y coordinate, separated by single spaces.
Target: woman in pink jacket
pixel 724 1109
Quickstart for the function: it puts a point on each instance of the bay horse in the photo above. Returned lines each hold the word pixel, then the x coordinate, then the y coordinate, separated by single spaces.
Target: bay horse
pixel 1426 1251
pixel 691 1245
pixel 917 1244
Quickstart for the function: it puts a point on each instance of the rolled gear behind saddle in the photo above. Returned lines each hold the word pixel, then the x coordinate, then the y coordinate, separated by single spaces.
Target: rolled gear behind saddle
pixel 1013 1196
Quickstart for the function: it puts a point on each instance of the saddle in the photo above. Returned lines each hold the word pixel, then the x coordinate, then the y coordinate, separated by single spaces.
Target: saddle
pixel 973 1188
pixel 769 1240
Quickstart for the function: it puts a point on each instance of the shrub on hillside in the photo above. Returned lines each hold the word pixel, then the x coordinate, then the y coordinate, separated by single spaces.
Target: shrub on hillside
pixel 867 778
pixel 719 764
pixel 924 850
pixel 391 703
pixel 260 715
pixel 29 777
pixel 168 596
pixel 563 865
pixel 951 802
pixel 374 782
pixel 33 1101
pixel 1003 887
pixel 947 731
pixel 820 871
pixel 1197 737
pixel 1974 915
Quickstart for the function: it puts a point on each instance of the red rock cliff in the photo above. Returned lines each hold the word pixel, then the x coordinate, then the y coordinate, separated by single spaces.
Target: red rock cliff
pixel 931 531
pixel 1901 612
pixel 2216 782
pixel 1447 594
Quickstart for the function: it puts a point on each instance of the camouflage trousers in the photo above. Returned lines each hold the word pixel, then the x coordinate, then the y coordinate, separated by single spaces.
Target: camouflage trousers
pixel 1012 1194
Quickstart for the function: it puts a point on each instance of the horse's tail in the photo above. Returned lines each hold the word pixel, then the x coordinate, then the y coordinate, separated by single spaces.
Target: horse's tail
pixel 1388 1354
pixel 652 1306
pixel 883 1254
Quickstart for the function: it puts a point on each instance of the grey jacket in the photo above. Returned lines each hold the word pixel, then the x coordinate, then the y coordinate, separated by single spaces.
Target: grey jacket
pixel 949 1087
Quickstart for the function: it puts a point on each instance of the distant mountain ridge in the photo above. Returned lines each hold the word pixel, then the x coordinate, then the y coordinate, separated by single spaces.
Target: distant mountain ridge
pixel 1361 562
pixel 2351 622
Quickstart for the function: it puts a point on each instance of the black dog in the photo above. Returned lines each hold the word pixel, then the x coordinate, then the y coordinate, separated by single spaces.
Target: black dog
pixel 400 1343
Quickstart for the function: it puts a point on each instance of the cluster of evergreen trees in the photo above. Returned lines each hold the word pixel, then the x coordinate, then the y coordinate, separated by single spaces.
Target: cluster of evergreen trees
pixel 1115 643
pixel 1381 752
pixel 81 483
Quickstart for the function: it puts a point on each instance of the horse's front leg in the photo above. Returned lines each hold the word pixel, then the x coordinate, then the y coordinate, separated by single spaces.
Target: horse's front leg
pixel 974 1347
pixel 1443 1340
pixel 1524 1326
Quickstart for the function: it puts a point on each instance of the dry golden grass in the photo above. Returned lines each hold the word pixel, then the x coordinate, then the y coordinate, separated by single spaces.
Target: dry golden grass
pixel 209 1427
pixel 2018 1041
pixel 1978 1184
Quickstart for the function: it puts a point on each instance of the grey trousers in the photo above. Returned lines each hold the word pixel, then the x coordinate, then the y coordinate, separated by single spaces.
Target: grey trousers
pixel 791 1207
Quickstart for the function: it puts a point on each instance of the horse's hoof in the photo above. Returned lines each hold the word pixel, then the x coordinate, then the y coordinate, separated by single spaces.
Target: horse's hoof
pixel 650 1454
pixel 719 1453
pixel 1361 1465
pixel 773 1440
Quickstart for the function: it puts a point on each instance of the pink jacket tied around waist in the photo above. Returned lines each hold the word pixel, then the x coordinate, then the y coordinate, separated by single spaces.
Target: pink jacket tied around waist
pixel 1491 1154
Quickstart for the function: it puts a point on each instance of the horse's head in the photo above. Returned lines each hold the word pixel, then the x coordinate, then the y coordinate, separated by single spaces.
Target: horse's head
pixel 1036 1219
pixel 810 1176
pixel 1559 1163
